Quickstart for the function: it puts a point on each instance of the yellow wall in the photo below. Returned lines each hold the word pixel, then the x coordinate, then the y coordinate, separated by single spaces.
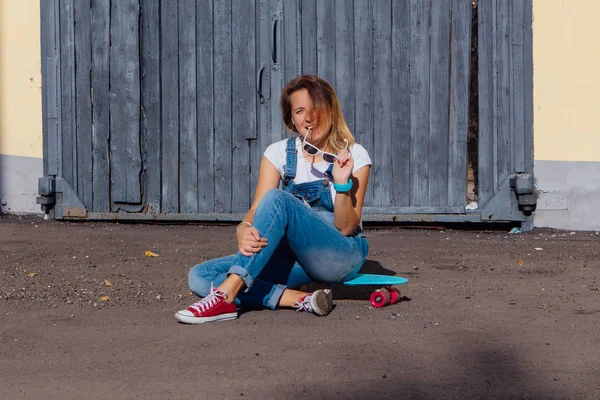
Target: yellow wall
pixel 20 78
pixel 566 78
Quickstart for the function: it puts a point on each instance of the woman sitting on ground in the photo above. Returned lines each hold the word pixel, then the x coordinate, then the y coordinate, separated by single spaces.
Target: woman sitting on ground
pixel 309 230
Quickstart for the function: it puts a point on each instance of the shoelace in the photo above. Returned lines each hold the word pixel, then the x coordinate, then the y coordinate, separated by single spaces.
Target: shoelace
pixel 303 304
pixel 209 301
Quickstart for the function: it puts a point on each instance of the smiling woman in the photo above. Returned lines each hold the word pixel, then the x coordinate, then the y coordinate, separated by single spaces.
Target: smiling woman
pixel 310 103
pixel 20 106
pixel 309 230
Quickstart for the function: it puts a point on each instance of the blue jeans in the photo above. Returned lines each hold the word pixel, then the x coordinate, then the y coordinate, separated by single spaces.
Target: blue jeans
pixel 303 246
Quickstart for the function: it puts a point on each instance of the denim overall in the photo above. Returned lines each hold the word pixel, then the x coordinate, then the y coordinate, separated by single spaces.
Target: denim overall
pixel 303 243
pixel 316 194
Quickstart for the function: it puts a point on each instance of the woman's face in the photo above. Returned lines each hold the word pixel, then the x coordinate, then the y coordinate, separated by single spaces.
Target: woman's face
pixel 304 116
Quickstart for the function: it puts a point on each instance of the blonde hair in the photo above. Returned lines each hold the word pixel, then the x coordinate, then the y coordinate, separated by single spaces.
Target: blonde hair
pixel 325 103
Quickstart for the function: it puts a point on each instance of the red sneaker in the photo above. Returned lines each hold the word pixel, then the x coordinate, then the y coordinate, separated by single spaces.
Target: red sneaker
pixel 211 308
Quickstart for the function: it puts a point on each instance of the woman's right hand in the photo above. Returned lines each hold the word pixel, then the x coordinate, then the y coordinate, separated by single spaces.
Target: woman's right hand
pixel 249 240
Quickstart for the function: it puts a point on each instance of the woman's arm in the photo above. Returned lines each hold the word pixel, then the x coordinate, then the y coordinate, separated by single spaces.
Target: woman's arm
pixel 249 240
pixel 348 205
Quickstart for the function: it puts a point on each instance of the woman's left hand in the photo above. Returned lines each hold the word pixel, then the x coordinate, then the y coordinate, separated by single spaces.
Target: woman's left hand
pixel 343 166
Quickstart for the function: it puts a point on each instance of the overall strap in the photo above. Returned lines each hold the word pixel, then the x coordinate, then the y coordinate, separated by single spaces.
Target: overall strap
pixel 329 173
pixel 289 170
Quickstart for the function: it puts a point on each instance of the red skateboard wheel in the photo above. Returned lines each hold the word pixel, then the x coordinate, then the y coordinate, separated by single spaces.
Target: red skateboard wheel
pixel 380 298
pixel 395 295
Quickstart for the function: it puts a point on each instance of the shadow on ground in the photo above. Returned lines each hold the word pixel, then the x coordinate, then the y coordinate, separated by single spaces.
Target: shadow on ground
pixel 342 292
pixel 483 371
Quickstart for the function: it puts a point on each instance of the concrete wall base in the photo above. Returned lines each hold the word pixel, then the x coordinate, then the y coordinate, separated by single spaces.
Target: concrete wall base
pixel 19 184
pixel 568 195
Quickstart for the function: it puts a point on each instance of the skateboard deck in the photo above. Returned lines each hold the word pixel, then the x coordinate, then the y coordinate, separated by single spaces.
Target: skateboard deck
pixel 373 279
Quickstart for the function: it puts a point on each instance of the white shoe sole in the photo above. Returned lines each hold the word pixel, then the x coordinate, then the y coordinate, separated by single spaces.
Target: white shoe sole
pixel 201 320
pixel 321 303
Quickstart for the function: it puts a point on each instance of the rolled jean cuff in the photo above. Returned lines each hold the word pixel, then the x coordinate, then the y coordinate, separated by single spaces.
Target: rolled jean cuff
pixel 274 296
pixel 242 273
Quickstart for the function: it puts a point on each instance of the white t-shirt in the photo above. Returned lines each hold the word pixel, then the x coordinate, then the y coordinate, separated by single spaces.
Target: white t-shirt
pixel 309 172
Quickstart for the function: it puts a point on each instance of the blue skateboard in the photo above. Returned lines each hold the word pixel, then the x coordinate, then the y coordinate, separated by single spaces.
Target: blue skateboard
pixel 384 296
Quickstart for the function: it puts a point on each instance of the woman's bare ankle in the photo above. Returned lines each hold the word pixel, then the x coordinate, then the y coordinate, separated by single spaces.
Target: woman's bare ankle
pixel 290 297
pixel 231 287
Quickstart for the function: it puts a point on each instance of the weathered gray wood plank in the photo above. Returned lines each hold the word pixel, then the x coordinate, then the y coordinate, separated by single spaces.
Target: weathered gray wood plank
pixel 68 108
pixel 420 107
pixel 126 161
pixel 170 106
pixel 205 93
pixel 51 87
pixel 401 106
pixel 292 56
pixel 263 78
pixel 188 147
pixel 326 41
pixel 486 104
pixel 439 102
pixel 222 103
pixel 504 133
pixel 277 70
pixel 494 77
pixel 151 96
pixel 83 62
pixel 394 214
pixel 344 59
pixel 517 110
pixel 363 80
pixel 459 101
pixel 414 210
pixel 382 118
pixel 309 37
pixel 48 24
pixel 100 25
pixel 243 101
pixel 528 83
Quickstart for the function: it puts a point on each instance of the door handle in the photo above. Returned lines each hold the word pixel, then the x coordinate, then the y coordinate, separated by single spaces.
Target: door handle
pixel 259 80
pixel 274 43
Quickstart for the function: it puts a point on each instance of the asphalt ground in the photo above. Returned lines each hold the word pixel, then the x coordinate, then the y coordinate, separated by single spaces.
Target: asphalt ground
pixel 85 314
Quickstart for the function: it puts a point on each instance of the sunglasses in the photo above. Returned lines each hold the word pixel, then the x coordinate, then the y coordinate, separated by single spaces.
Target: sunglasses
pixel 313 150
